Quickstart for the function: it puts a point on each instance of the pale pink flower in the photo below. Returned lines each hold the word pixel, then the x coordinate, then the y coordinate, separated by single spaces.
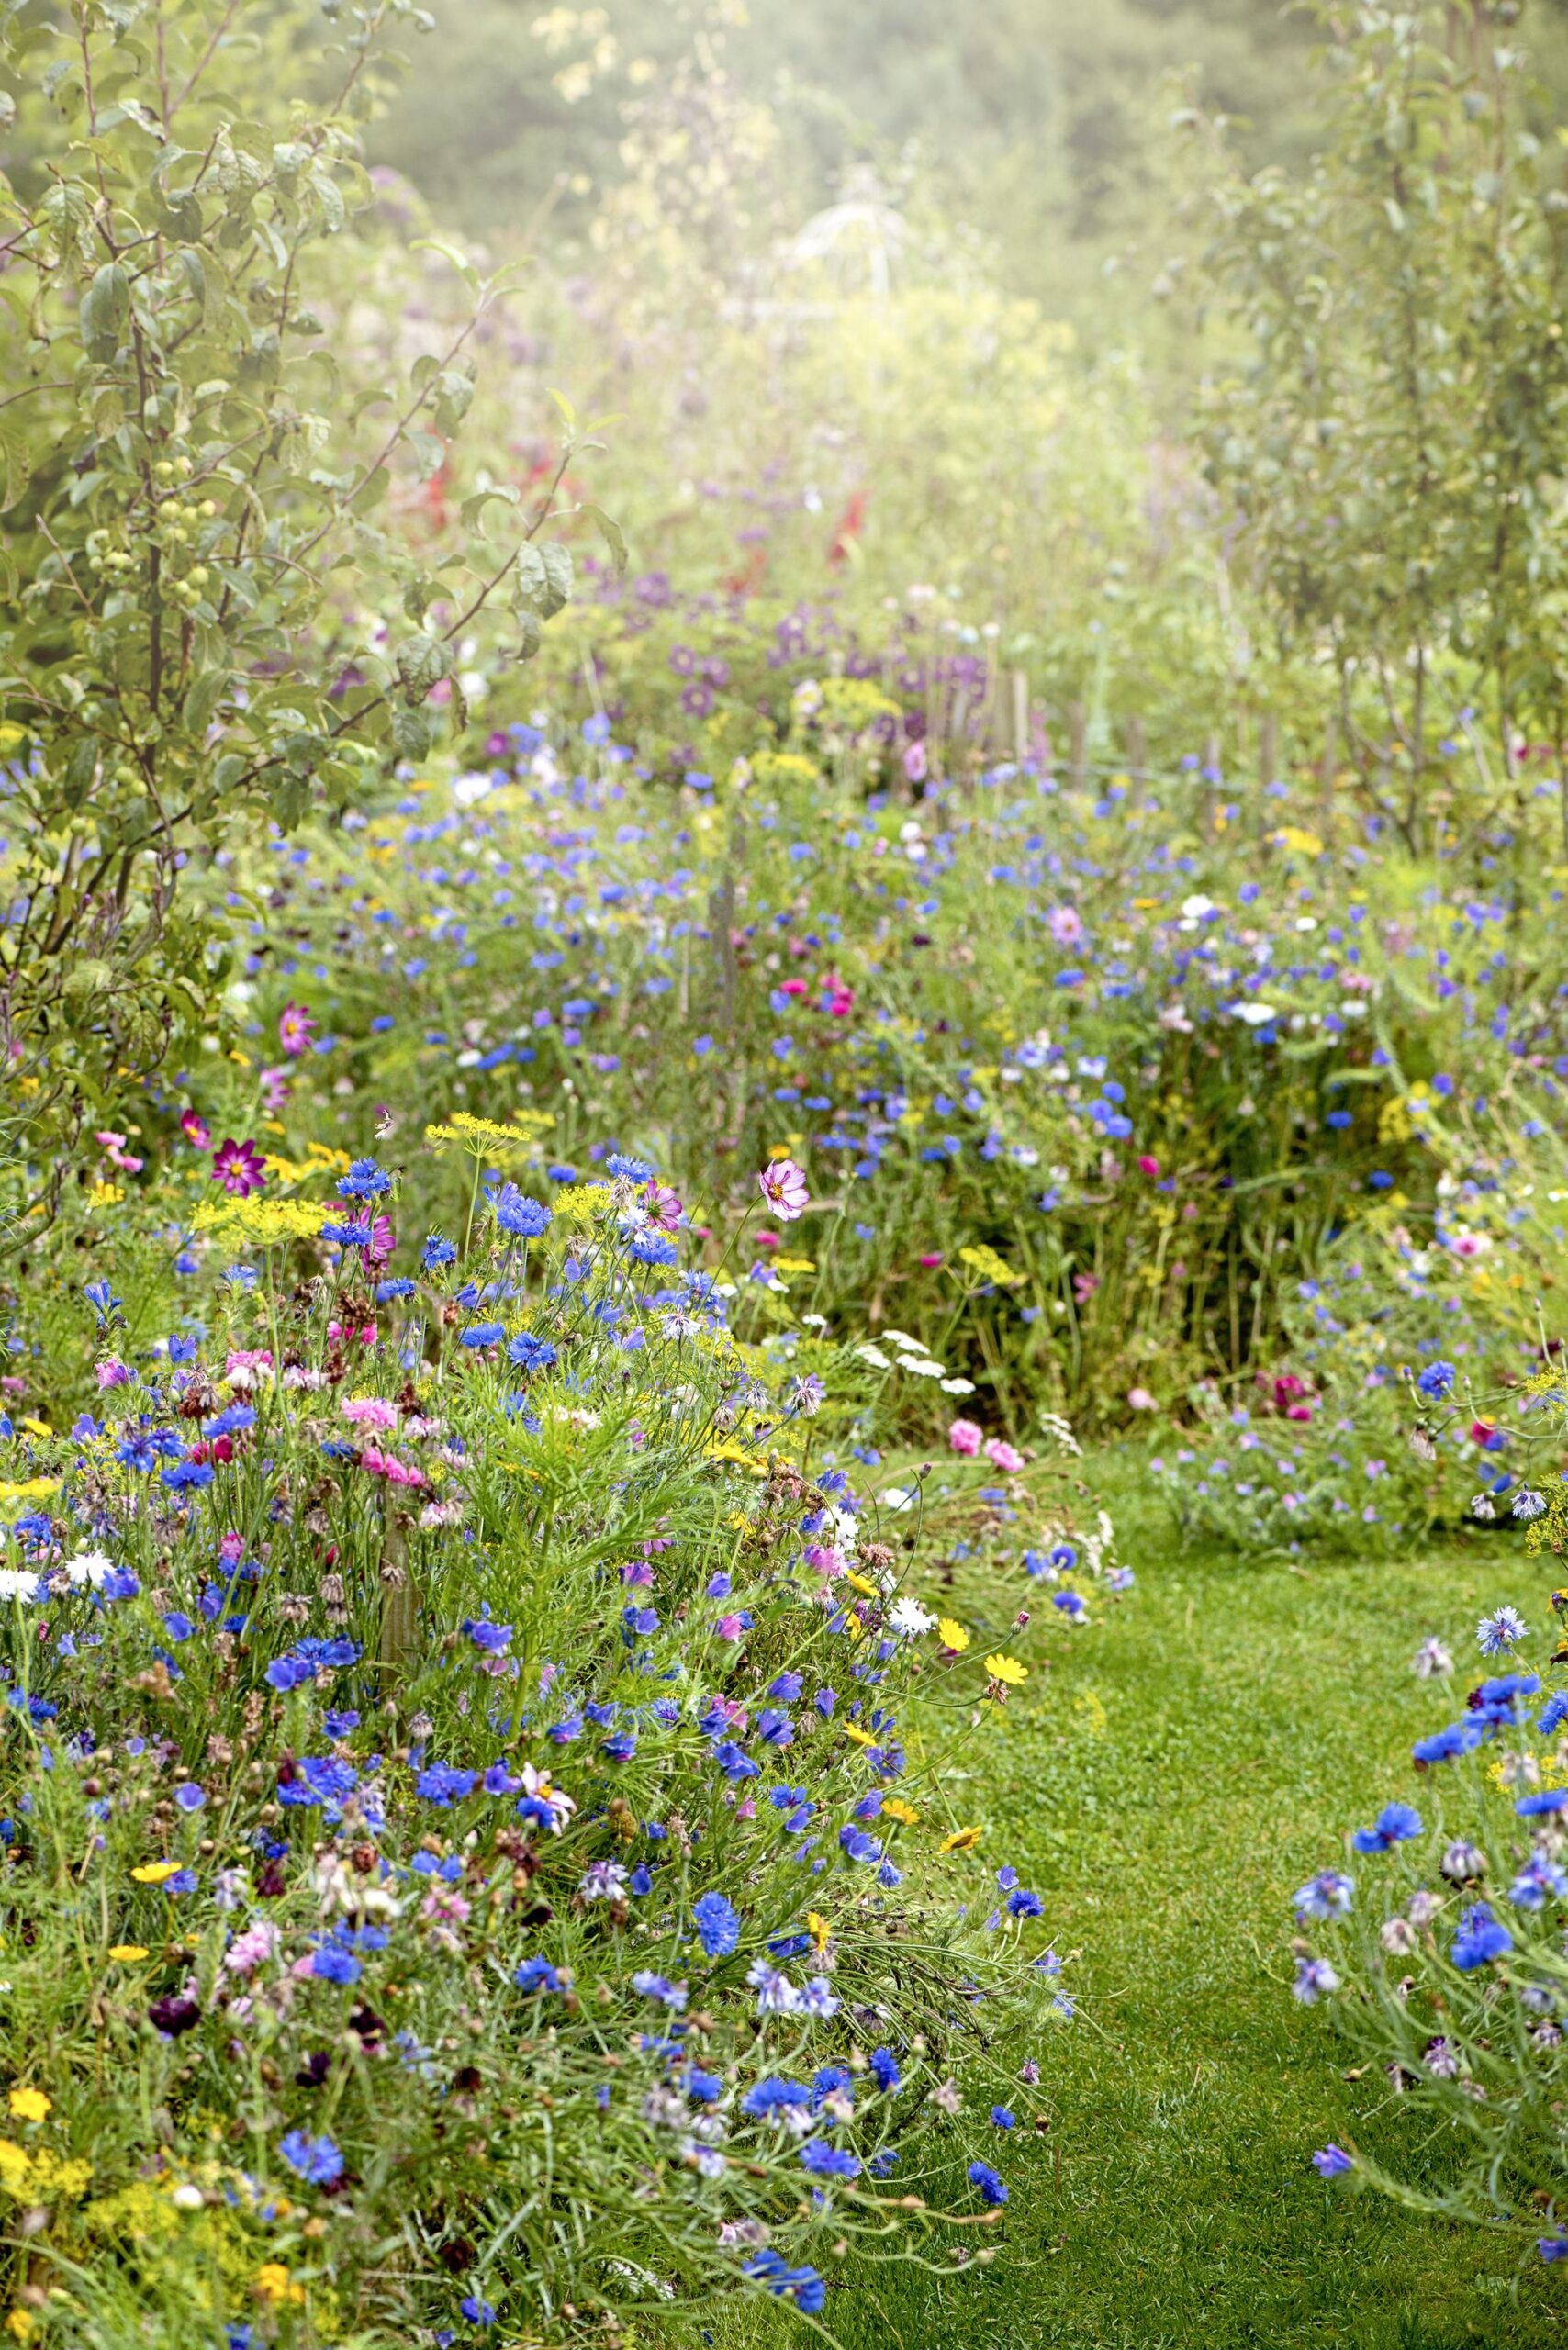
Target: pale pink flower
pixel 1140 1400
pixel 370 1411
pixel 965 1437
pixel 783 1185
pixel 1003 1456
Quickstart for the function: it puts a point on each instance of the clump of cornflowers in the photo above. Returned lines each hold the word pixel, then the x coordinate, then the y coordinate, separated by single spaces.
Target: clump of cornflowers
pixel 1437 1948
pixel 464 1693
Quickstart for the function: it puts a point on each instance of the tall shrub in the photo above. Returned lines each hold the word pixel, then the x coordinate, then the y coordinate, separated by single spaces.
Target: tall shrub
pixel 191 469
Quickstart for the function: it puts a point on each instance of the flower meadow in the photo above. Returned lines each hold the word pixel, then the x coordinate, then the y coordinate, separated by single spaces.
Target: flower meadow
pixel 469 1863
pixel 1439 1944
pixel 738 1227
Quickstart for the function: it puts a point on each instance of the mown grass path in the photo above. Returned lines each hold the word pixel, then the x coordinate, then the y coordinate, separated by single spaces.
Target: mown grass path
pixel 1177 1773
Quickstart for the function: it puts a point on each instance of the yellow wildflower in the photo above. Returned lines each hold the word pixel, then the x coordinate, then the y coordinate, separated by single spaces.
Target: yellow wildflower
pixel 32 2105
pixel 963 1839
pixel 155 1872
pixel 896 1809
pixel 21 2324
pixel 952 1635
pixel 856 1736
pixel 274 2283
pixel 820 1931
pixel 127 1954
pixel 1008 1669
pixel 858 1583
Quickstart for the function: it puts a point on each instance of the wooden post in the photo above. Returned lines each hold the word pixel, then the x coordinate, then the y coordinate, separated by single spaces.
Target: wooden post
pixel 1020 715
pixel 1137 749
pixel 1077 735
pixel 1328 768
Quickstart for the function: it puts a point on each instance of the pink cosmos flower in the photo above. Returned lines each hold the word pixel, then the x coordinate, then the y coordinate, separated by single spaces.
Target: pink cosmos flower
pixel 275 1085
pixel 1003 1456
pixel 383 1240
pixel 914 763
pixel 239 1168
pixel 195 1130
pixel 114 1150
pixel 965 1437
pixel 783 1186
pixel 1084 1286
pixel 1065 926
pixel 296 1029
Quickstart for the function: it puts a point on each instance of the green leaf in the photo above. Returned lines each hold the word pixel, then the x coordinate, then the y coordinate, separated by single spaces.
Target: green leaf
pixel 16 463
pixel 610 530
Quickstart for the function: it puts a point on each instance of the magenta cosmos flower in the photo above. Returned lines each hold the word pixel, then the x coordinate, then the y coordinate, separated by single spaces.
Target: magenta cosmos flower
pixel 783 1186
pixel 239 1168
pixel 295 1029
pixel 195 1130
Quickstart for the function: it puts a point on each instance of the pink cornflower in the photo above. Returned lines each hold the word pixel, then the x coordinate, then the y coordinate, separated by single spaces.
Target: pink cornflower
pixel 1065 925
pixel 824 1559
pixel 296 1029
pixel 1148 1166
pixel 1003 1456
pixel 195 1130
pixel 965 1437
pixel 239 1168
pixel 931 1260
pixel 383 1240
pixel 664 1207
pixel 370 1411
pixel 783 1186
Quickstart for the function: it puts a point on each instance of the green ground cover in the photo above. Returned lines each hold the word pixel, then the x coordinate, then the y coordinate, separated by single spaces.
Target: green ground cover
pixel 1177 1775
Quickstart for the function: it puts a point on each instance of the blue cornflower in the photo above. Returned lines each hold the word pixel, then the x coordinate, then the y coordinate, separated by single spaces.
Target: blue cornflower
pixel 991 2190
pixel 1332 2162
pixel 829 2162
pixel 538 1974
pixel 718 1925
pixel 530 1353
pixel 437 1251
pixel 188 1476
pixel 482 1334
pixel 525 1218
pixel 316 2160
pixel 332 1966
pixel 443 1782
pixel 884 2068
pixel 364 1181
pixel 1396 1823
pixel 774 2095
pixel 1480 1938
pixel 630 1170
pixel 1003 2118
pixel 1436 1381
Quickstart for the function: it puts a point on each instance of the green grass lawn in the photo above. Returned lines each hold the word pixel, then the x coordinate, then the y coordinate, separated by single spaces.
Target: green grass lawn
pixel 1171 1781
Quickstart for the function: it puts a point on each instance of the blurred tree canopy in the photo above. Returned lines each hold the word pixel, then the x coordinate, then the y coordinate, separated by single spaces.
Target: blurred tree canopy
pixel 1033 119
